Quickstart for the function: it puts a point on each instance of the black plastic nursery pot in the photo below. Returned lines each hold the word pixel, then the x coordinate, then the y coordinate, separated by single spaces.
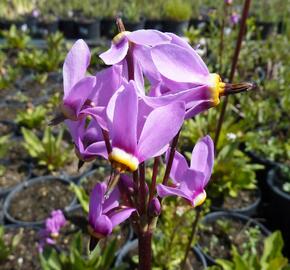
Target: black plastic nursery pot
pixel 91 178
pixel 133 26
pixel 215 216
pixel 249 210
pixel 7 127
pixel 10 178
pixel 176 27
pixel 278 208
pixel 261 175
pixel 154 24
pixel 31 202
pixel 88 29
pixel 39 28
pixel 200 257
pixel 266 29
pixel 108 28
pixel 68 28
pixel 198 23
pixel 6 24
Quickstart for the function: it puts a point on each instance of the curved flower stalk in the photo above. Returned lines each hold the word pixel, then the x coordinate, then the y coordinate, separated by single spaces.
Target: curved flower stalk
pixel 88 139
pixel 53 225
pixel 105 213
pixel 137 137
pixel 190 181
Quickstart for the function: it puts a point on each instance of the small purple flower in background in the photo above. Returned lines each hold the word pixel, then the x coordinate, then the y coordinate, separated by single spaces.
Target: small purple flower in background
pixel 228 2
pixel 106 213
pixel 53 225
pixel 235 18
pixel 36 13
pixel 190 182
pixel 134 139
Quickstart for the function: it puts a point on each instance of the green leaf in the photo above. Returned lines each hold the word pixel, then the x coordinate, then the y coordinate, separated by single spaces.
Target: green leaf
pixel 226 265
pixel 82 196
pixel 49 259
pixel 272 247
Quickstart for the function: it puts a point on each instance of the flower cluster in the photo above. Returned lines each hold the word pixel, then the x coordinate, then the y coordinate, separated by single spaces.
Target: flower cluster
pixel 129 113
pixel 53 225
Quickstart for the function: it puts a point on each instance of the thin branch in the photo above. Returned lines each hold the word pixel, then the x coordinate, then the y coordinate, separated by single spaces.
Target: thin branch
pixel 233 67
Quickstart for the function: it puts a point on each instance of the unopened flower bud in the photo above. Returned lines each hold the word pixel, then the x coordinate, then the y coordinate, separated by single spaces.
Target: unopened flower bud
pixel 154 208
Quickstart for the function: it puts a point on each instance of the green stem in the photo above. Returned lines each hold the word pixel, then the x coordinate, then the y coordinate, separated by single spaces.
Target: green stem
pixel 191 237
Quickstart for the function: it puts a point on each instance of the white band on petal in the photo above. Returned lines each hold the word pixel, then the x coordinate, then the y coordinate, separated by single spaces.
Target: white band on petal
pixel 199 199
pixel 123 160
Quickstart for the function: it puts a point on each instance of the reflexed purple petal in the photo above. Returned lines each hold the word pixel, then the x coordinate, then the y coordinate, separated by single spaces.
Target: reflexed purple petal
pixel 197 107
pixel 108 82
pixel 179 41
pixel 98 113
pixel 103 225
pixel 182 43
pixel 120 216
pixel 124 127
pixel 112 201
pixel 161 126
pixel 193 181
pixel 143 54
pixel 202 158
pixel 116 53
pixel 76 129
pixel 96 200
pixel 164 191
pixel 148 37
pixel 97 149
pixel 75 65
pixel 178 64
pixel 80 93
pixel 179 167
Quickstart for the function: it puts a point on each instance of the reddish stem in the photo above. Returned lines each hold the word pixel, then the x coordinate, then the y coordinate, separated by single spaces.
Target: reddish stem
pixel 154 177
pixel 107 141
pixel 144 249
pixel 170 159
pixel 142 189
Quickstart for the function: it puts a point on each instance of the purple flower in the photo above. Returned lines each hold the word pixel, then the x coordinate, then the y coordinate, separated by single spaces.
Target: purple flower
pixel 183 69
pixel 106 213
pixel 235 18
pixel 53 225
pixel 55 222
pixel 120 44
pixel 77 86
pixel 136 134
pixel 160 64
pixel 190 182
pixel 88 139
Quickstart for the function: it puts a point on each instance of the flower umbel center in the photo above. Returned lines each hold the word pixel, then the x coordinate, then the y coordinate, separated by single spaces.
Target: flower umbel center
pixel 123 161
